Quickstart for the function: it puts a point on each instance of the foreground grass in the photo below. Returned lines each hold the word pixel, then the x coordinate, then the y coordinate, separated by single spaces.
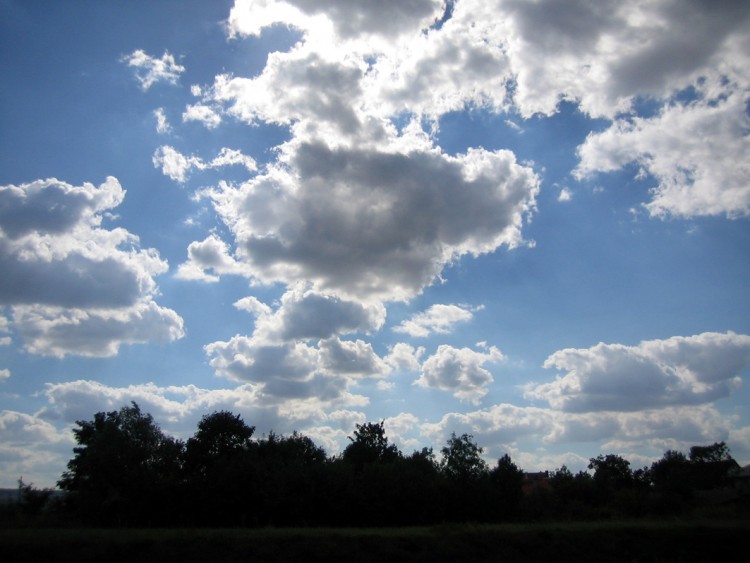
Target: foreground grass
pixel 579 541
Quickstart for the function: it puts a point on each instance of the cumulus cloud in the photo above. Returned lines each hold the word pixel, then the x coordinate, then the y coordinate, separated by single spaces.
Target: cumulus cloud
pixel 656 373
pixel 375 224
pixel 349 75
pixel 437 319
pixel 149 70
pixel 503 427
pixel 404 357
pixel 210 255
pixel 605 55
pixel 4 374
pixel 363 22
pixel 54 331
pixel 459 371
pixel 32 447
pixel 179 408
pixel 304 314
pixel 65 276
pixel 696 151
pixel 354 358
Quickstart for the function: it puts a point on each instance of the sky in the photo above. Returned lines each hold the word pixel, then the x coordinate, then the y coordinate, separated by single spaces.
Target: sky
pixel 522 220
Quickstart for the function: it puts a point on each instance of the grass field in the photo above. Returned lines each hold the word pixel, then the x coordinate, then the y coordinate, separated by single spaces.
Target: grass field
pixel 600 541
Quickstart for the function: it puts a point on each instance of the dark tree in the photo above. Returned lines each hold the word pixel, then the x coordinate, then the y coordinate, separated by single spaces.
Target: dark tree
pixel 716 452
pixel 124 470
pixel 611 471
pixel 711 466
pixel 671 474
pixel 507 479
pixel 462 458
pixel 221 471
pixel 370 445
pixel 220 436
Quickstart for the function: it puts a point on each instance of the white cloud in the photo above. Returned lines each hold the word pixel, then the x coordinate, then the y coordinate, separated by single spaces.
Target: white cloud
pixel 437 319
pixel 203 114
pixel 149 70
pixel 211 254
pixel 232 157
pixel 696 152
pixel 178 166
pixel 565 195
pixel 404 357
pixel 63 274
pixel 54 331
pixel 656 373
pixel 459 371
pixel 349 75
pixel 295 352
pixel 463 63
pixel 4 374
pixel 175 164
pixel 31 448
pixel 162 125
pixel 339 20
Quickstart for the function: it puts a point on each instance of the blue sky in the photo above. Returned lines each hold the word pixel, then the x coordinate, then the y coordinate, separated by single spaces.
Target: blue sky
pixel 528 223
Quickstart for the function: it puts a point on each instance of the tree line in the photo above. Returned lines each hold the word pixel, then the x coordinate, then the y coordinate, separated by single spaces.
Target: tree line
pixel 126 472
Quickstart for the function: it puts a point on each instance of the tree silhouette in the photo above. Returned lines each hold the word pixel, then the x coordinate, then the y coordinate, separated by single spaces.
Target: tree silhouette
pixel 462 459
pixel 124 469
pixel 220 470
pixel 370 445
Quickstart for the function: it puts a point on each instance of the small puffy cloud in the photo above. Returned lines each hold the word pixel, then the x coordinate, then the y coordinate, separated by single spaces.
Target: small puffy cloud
pixel 314 88
pixel 4 374
pixel 656 373
pixel 232 157
pixel 565 195
pixel 437 319
pixel 210 255
pixel 65 277
pixel 404 357
pixel 354 358
pixel 203 114
pixel 459 371
pixel 149 70
pixel 305 314
pixel 178 166
pixel 175 164
pixel 162 125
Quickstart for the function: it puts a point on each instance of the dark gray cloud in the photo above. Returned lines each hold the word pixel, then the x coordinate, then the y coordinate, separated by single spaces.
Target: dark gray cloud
pixel 73 286
pixel 370 223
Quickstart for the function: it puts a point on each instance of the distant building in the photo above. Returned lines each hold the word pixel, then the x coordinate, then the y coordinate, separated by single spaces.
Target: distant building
pixel 535 482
